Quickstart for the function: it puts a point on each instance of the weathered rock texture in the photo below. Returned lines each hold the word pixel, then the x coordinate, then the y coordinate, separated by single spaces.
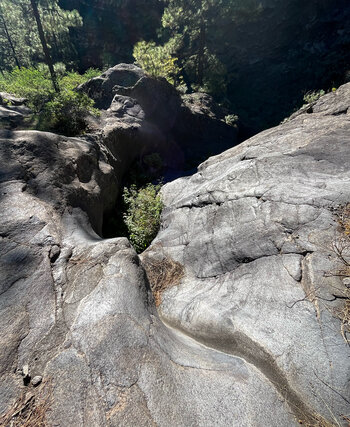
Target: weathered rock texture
pixel 77 311
pixel 254 229
pixel 244 345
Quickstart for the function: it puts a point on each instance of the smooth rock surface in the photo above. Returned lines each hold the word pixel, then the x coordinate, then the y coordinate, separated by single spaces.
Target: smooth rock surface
pixel 254 230
pixel 77 310
pixel 246 338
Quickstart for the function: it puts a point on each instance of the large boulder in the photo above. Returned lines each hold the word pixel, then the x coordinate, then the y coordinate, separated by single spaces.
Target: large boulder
pixel 256 232
pixel 103 88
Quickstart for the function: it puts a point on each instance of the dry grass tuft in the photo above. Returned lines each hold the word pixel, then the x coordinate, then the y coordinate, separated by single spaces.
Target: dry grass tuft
pixel 343 215
pixel 30 408
pixel 162 274
pixel 319 421
pixel 341 248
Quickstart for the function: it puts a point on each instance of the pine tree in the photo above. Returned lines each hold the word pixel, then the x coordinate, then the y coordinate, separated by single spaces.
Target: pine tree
pixel 193 19
pixel 192 27
pixel 48 58
pixel 21 43
pixel 8 37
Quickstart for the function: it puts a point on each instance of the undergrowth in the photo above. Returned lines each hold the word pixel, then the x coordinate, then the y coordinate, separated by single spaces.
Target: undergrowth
pixel 63 112
pixel 312 97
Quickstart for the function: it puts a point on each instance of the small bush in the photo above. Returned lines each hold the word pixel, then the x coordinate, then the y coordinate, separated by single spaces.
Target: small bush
pixel 311 97
pixel 67 112
pixel 142 217
pixel 231 119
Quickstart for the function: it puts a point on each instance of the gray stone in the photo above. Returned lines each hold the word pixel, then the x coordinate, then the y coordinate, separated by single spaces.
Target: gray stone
pixel 25 371
pixel 13 110
pixel 10 99
pixel 254 230
pixel 142 115
pixel 247 338
pixel 54 253
pixel 36 380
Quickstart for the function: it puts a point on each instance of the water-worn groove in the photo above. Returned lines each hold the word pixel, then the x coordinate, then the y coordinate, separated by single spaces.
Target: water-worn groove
pixel 240 345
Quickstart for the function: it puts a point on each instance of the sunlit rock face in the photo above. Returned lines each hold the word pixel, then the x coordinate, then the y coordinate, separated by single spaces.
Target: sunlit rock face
pixel 255 229
pixel 77 312
pixel 248 337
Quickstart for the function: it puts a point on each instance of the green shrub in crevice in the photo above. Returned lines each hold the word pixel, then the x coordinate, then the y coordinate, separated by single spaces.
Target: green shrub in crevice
pixel 142 215
pixel 311 97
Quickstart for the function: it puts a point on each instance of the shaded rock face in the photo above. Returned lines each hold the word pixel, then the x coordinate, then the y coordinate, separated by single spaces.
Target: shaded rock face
pixel 146 115
pixel 254 229
pixel 13 110
pixel 243 342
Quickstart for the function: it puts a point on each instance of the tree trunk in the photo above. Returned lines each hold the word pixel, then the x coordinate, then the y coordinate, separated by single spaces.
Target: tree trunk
pixel 52 23
pixel 10 40
pixel 44 45
pixel 201 53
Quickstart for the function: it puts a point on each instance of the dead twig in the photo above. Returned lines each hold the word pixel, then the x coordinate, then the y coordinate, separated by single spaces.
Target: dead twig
pixel 30 408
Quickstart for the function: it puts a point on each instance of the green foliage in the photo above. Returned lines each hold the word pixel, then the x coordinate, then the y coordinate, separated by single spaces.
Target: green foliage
pixel 158 61
pixel 67 112
pixel 19 38
pixel 193 32
pixel 311 97
pixel 30 83
pixel 231 119
pixel 64 112
pixel 142 217
pixel 111 29
pixel 72 79
pixel 214 74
